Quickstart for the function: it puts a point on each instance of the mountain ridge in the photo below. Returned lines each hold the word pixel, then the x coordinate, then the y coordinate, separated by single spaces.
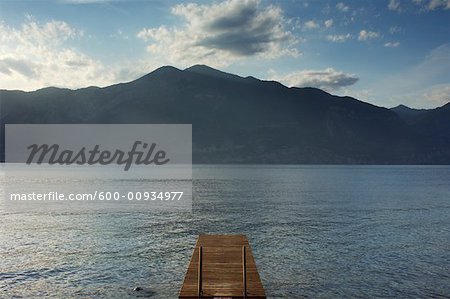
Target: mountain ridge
pixel 244 120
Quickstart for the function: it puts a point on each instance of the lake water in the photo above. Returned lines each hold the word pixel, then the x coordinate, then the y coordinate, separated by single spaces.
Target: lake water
pixel 315 231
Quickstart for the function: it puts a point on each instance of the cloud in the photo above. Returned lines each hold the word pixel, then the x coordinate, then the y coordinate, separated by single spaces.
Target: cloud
pixel 427 97
pixel 395 29
pixel 221 33
pixel 9 66
pixel 86 1
pixel 392 44
pixel 328 79
pixel 394 5
pixel 435 4
pixel 366 35
pixel 311 24
pixel 436 65
pixel 328 23
pixel 429 5
pixel 342 7
pixel 366 95
pixel 339 38
pixel 35 55
pixel 422 85
pixel 437 94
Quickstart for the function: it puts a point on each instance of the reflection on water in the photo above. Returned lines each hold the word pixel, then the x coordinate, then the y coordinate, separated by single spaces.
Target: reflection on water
pixel 318 231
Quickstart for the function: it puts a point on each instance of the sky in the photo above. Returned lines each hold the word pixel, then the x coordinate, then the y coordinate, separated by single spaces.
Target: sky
pixel 385 52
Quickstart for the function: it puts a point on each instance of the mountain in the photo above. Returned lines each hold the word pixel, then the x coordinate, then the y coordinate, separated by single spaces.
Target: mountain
pixel 409 114
pixel 245 120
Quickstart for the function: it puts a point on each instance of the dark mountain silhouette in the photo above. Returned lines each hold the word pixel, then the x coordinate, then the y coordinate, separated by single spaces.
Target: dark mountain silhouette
pixel 410 115
pixel 246 120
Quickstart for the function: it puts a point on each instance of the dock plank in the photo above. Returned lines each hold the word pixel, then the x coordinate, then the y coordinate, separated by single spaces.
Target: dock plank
pixel 222 274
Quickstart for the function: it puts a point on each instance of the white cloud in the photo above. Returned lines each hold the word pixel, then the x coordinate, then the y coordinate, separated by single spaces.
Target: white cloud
pixel 339 38
pixel 328 79
pixel 435 4
pixel 437 94
pixel 366 35
pixel 37 55
pixel 392 44
pixel 342 7
pixel 425 5
pixel 328 23
pixel 436 65
pixel 427 97
pixel 394 5
pixel 395 29
pixel 221 33
pixel 311 24
pixel 422 85
pixel 428 5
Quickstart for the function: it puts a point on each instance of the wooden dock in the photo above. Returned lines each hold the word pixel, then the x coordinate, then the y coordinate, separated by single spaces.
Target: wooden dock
pixel 222 266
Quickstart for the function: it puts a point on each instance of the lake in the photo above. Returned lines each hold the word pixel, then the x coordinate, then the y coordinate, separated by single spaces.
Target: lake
pixel 315 231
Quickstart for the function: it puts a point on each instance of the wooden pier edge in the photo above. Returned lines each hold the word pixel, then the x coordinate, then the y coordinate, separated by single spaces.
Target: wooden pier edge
pixel 222 266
